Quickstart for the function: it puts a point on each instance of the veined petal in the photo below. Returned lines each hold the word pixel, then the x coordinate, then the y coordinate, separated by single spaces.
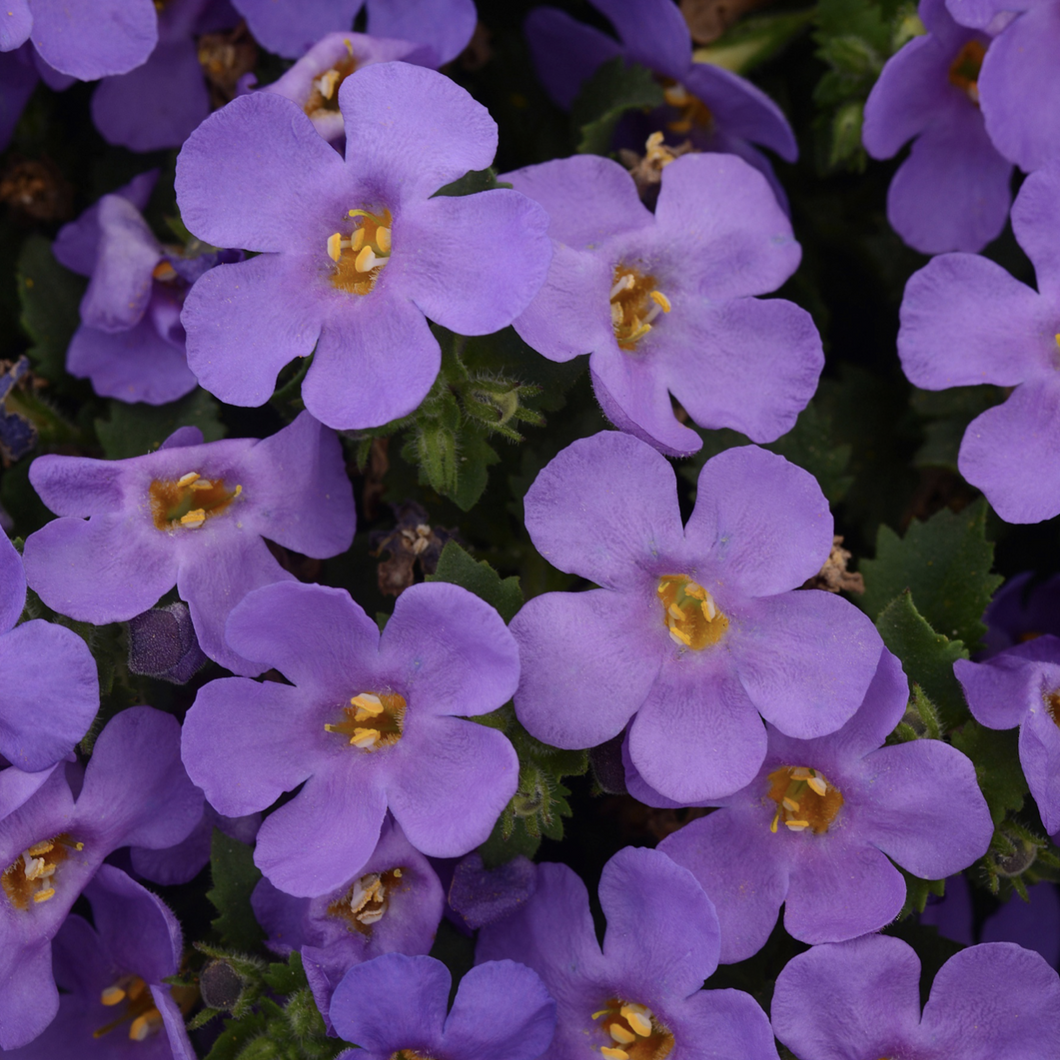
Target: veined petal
pixel 94 40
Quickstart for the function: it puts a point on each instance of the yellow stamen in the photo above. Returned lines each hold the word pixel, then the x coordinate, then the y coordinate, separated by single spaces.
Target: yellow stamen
pixel 112 995
pixel 661 300
pixel 798 826
pixel 188 479
pixel 791 804
pixel 364 737
pixel 614 1054
pixel 144 1026
pixel 43 896
pixel 602 1012
pixel 194 519
pixel 368 703
pixel 366 260
pixel 689 611
pixel 382 239
pixel 621 1035
pixel 637 1019
pixel 805 799
pixel 335 246
pixel 818 785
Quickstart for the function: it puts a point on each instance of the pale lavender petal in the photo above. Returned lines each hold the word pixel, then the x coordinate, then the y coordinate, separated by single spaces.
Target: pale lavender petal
pixel 251 174
pixel 16 22
pixel 246 321
pixel 1020 66
pixel 92 40
pixel 455 650
pixel 998 691
pixel 965 320
pixel 644 939
pixel 895 111
pixel 1009 452
pixel 565 52
pixel 375 362
pixel 30 1000
pixel 445 27
pixel 606 508
pixel 1039 747
pixel 873 989
pixel 883 708
pixel 806 660
pixel 157 105
pixel 479 259
pixel 652 33
pixel 763 522
pixel 457 778
pixel 290 29
pixel 399 120
pixel 322 838
pixel 731 1021
pixel 51 694
pixel 588 198
pixel 926 813
pixel 697 737
pixel 587 664
pixel 728 854
pixel 105 570
pixel 12 584
pixel 272 724
pixel 78 486
pixel 393 1002
pixel 1036 224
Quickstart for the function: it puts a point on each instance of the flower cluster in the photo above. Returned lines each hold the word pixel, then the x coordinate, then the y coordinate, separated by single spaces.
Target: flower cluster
pixel 392 234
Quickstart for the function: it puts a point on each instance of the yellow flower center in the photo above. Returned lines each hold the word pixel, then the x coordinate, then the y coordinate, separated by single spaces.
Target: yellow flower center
pixel 372 720
pixel 31 877
pixel 360 256
pixel 804 798
pixel 324 99
pixel 366 902
pixel 964 71
pixel 188 501
pixel 1052 705
pixel 691 110
pixel 409 1054
pixel 635 303
pixel 633 1032
pixel 690 613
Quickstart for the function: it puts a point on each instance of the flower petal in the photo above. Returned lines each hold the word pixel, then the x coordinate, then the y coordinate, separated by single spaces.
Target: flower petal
pixel 565 52
pixel 16 22
pixel 94 40
pixel 12 584
pixel 445 28
pixel 1036 224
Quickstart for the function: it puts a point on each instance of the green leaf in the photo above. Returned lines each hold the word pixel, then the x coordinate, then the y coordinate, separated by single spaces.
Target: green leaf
pixel 478 577
pixel 753 41
pixel 474 457
pixel 473 181
pixel 997 766
pixel 238 1035
pixel 926 656
pixel 286 978
pixel 615 87
pixel 50 296
pixel 946 563
pixel 917 892
pixel 812 444
pixel 133 430
pixel 234 878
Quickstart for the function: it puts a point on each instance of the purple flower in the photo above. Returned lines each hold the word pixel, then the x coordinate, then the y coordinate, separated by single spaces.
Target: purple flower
pixel 394 905
pixel 130 343
pixel 966 321
pixel 314 81
pixel 192 515
pixel 368 724
pixel 716 109
pixel 952 192
pixel 663 301
pixel 1021 686
pixel 396 1006
pixel 694 631
pixel 1021 610
pixel 638 996
pixel 355 254
pixel 814 830
pixel 135 792
pixel 114 1005
pixel 163 645
pixel 290 27
pixel 862 999
pixel 90 39
pixel 48 676
pixel 159 103
pixel 1019 89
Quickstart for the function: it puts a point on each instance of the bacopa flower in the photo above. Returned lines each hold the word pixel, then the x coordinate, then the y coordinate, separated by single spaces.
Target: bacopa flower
pixel 48 676
pixel 289 29
pixel 114 1004
pixel 965 320
pixel 395 1006
pixel 814 830
pixel 714 108
pixel 694 632
pixel 393 905
pixel 130 343
pixel 952 192
pixel 1023 608
pixel 664 302
pixel 368 725
pixel 87 40
pixel 862 999
pixel 1021 686
pixel 639 996
pixel 355 254
pixel 190 514
pixel 1019 89
pixel 135 791
pixel 314 81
